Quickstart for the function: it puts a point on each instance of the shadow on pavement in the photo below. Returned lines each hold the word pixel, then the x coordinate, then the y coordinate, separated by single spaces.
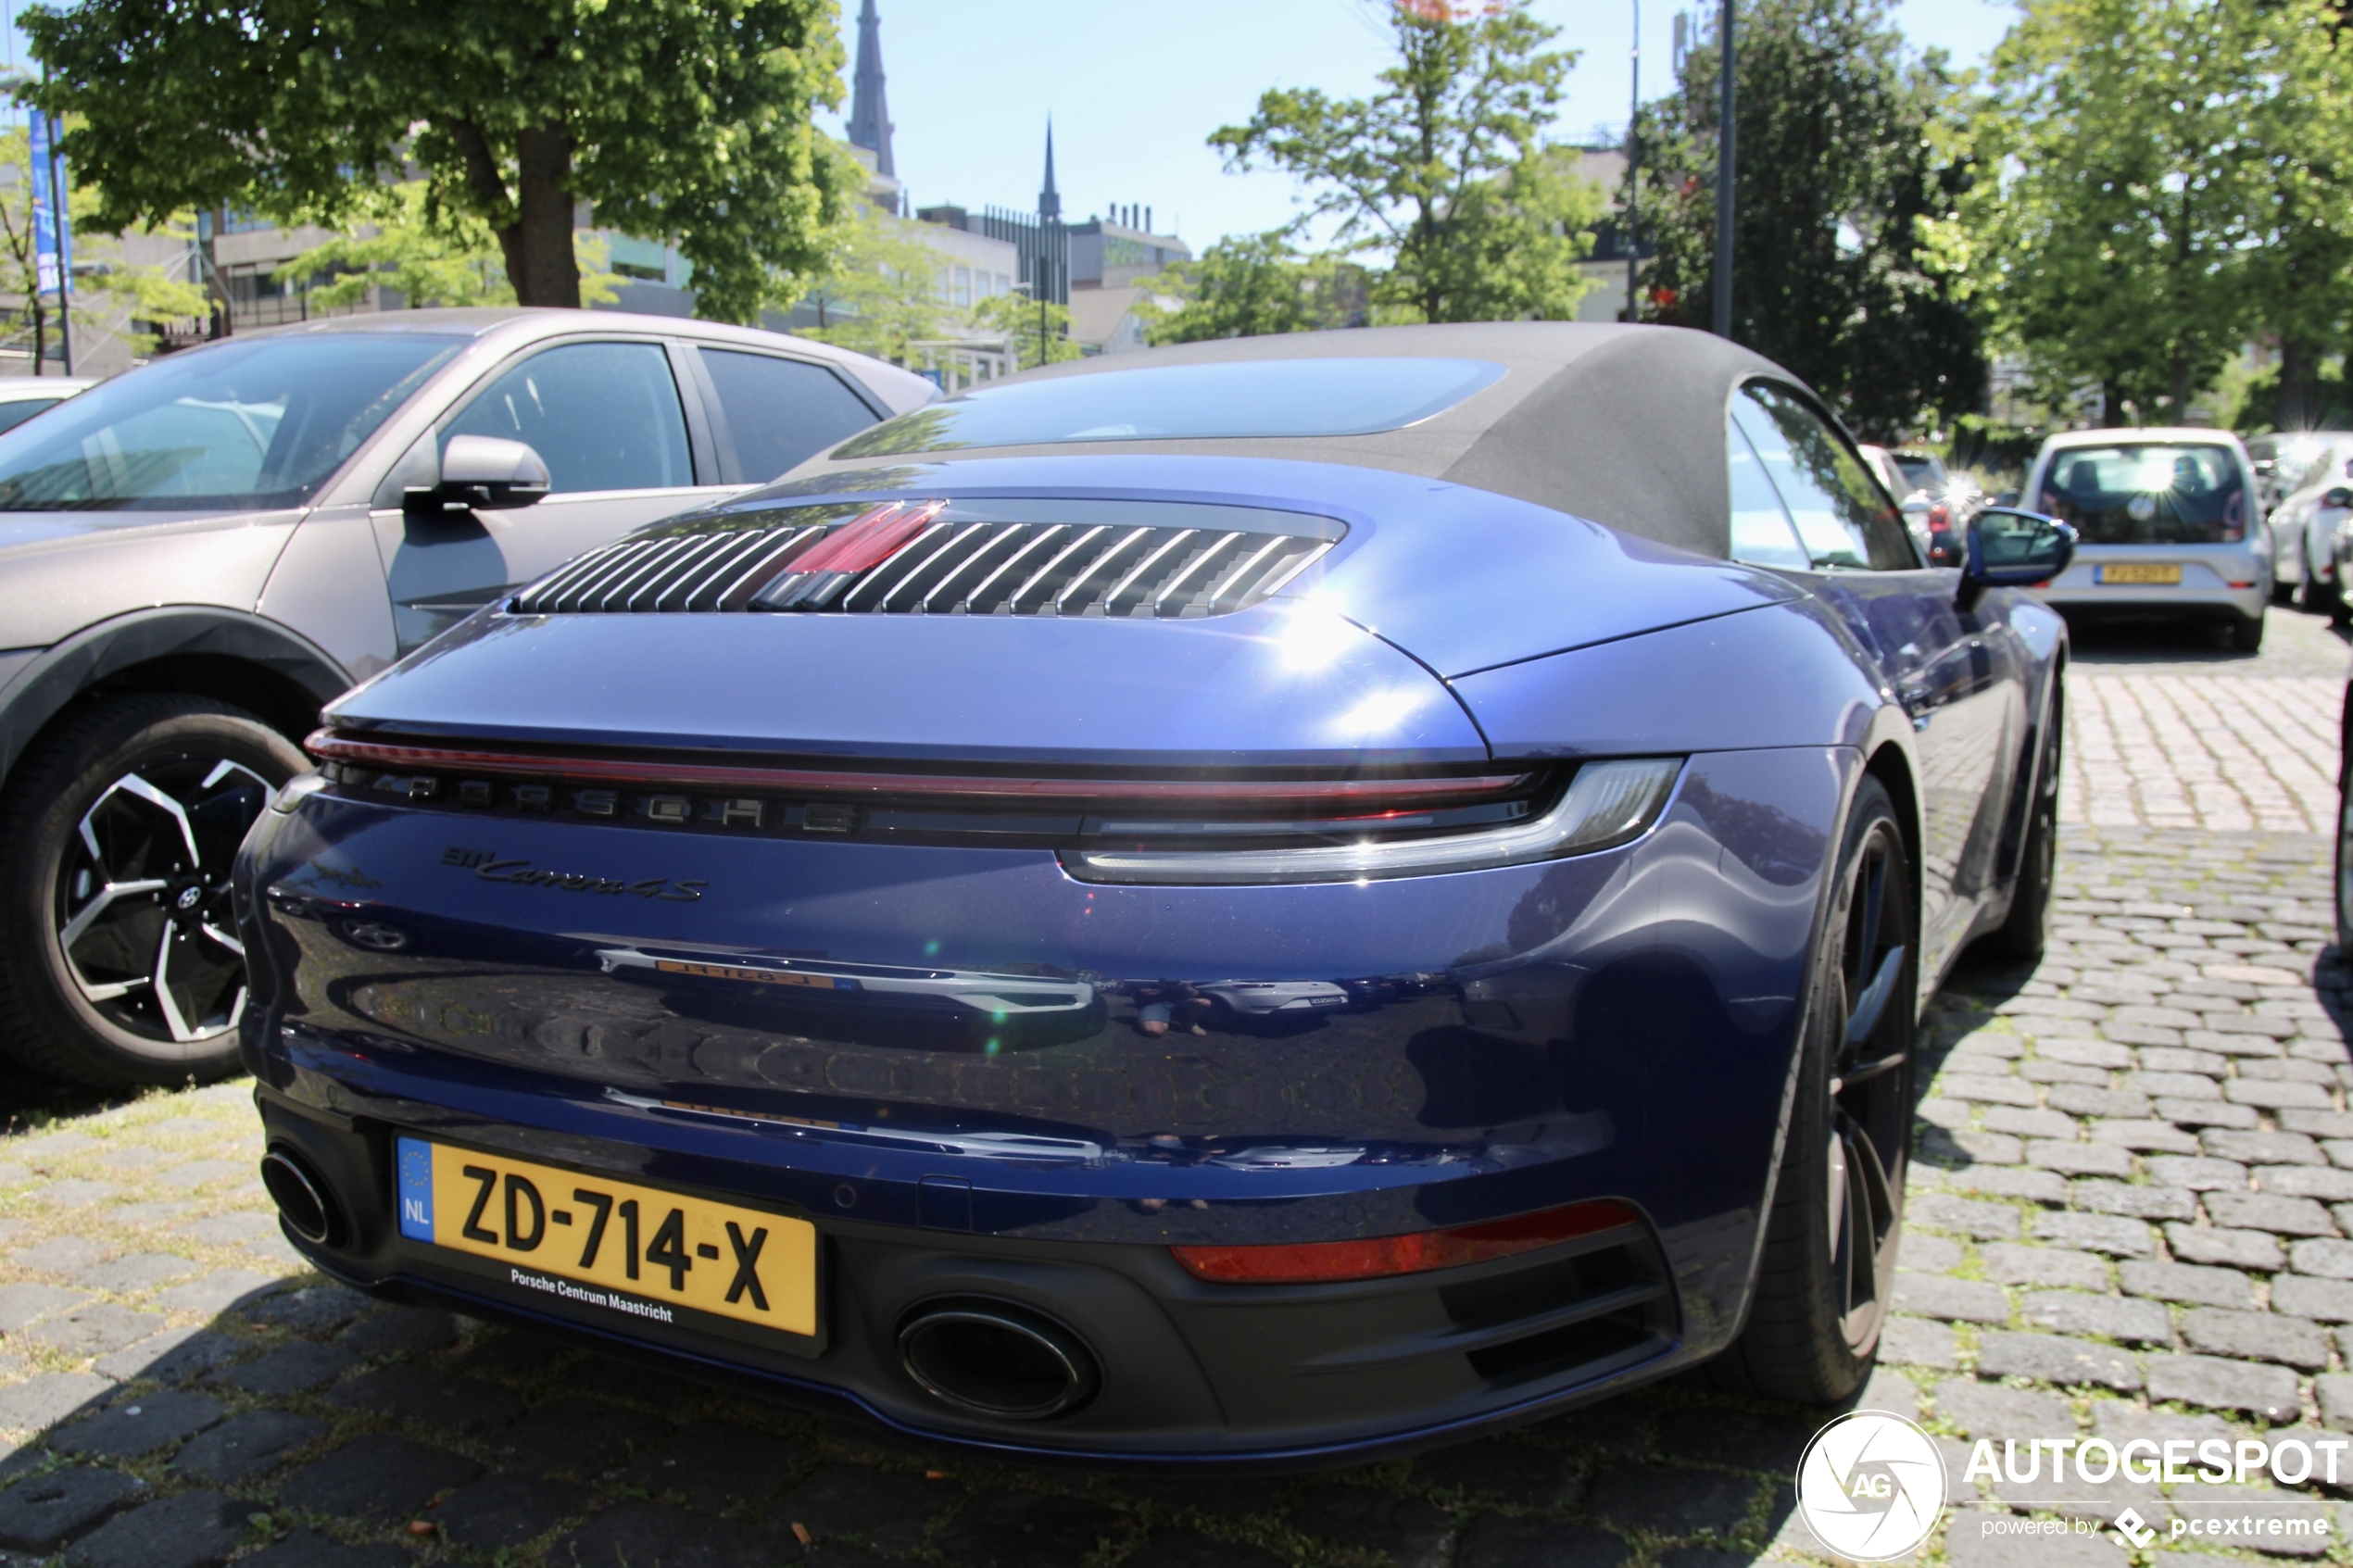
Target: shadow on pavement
pixel 2204 645
pixel 307 1426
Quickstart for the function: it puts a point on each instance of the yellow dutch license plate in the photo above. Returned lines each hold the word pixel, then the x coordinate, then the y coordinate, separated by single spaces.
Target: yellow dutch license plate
pixel 638 1252
pixel 2141 574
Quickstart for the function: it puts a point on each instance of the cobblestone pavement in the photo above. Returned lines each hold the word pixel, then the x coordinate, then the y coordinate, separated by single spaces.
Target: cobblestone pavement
pixel 2132 1214
pixel 2166 731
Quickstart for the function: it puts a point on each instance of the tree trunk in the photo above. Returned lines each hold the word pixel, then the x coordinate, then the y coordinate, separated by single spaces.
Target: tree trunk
pixel 40 337
pixel 536 237
pixel 2111 406
pixel 2299 403
pixel 549 272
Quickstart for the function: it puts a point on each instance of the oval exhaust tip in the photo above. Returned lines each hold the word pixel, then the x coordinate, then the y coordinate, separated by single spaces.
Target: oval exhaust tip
pixel 998 1359
pixel 302 1195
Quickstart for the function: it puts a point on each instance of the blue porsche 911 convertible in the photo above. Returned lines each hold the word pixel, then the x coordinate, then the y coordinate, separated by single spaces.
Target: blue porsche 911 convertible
pixel 1258 901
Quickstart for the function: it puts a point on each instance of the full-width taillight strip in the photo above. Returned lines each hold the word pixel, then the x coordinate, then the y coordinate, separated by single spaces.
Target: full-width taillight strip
pixel 1360 794
pixel 1415 1252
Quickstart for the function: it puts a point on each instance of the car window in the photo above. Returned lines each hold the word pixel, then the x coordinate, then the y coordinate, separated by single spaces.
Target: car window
pixel 603 416
pixel 16 413
pixel 2147 493
pixel 260 422
pixel 1921 471
pixel 1270 398
pixel 1841 515
pixel 780 410
pixel 1761 533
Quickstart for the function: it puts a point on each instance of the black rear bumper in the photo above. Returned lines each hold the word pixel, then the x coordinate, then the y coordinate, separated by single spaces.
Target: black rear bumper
pixel 1193 1373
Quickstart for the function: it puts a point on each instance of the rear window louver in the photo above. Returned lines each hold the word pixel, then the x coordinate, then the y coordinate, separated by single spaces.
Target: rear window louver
pixel 948 559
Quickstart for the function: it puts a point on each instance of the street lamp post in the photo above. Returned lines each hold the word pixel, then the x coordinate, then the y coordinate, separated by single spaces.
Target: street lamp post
pixel 1724 143
pixel 1633 160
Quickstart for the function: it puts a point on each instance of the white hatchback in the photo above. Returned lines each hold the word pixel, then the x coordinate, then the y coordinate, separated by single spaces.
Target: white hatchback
pixel 2170 527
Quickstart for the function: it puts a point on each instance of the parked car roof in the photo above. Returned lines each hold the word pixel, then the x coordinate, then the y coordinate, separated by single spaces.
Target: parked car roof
pixel 2142 435
pixel 521 324
pixel 24 389
pixel 1594 420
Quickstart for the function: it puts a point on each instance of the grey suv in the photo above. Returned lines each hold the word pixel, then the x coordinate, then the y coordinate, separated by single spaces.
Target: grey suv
pixel 196 555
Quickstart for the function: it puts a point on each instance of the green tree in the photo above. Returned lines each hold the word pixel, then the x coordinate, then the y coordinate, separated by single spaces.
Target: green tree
pixel 2121 193
pixel 1249 285
pixel 110 295
pixel 1039 335
pixel 687 119
pixel 1838 184
pixel 882 290
pixel 2303 269
pixel 1445 170
pixel 452 260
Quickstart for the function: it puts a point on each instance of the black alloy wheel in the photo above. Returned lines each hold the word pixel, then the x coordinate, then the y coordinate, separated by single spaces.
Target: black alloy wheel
pixel 120 960
pixel 2026 928
pixel 1828 1266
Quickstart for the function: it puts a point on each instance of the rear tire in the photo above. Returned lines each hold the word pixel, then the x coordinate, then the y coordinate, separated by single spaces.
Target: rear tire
pixel 1829 1264
pixel 2026 928
pixel 2345 835
pixel 120 964
pixel 2246 633
pixel 2314 596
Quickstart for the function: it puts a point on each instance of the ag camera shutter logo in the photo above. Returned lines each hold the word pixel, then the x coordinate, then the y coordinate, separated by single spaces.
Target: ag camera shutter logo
pixel 1871 1485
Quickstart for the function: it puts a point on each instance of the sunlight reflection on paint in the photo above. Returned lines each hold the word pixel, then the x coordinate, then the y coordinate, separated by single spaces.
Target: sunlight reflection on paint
pixel 1380 713
pixel 1314 637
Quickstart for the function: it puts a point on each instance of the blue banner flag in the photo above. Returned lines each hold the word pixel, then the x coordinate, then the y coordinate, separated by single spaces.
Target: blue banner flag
pixel 52 223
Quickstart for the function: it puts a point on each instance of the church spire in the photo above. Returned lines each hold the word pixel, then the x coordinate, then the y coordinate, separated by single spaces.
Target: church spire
pixel 1050 200
pixel 869 112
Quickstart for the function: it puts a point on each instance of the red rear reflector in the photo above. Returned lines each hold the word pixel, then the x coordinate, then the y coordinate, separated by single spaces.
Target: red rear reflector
pixel 2248 584
pixel 1415 1252
pixel 871 540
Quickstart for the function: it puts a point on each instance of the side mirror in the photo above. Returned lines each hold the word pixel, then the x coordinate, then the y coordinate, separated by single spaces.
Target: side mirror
pixel 484 472
pixel 2009 548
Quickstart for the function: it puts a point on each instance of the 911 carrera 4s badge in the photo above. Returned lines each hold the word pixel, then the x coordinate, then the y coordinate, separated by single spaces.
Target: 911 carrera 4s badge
pixel 487 865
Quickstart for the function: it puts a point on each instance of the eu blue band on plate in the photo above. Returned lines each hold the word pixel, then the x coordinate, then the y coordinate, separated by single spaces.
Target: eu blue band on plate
pixel 414 1162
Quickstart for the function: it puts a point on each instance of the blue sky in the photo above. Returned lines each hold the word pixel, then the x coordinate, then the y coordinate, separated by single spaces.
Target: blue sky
pixel 1136 88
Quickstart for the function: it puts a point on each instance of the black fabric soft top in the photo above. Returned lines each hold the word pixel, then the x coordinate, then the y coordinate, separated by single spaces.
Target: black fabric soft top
pixel 1620 424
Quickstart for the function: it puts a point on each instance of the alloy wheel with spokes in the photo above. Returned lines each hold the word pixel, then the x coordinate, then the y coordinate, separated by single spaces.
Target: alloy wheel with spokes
pixel 1871 1115
pixel 142 912
pixel 120 959
pixel 1829 1265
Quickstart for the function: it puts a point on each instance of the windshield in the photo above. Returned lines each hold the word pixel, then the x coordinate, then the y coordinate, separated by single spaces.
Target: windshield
pixel 1921 473
pixel 1271 397
pixel 242 425
pixel 2147 495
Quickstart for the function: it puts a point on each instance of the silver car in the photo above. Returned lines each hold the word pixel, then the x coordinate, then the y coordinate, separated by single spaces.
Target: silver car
pixel 2315 501
pixel 196 555
pixel 2170 528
